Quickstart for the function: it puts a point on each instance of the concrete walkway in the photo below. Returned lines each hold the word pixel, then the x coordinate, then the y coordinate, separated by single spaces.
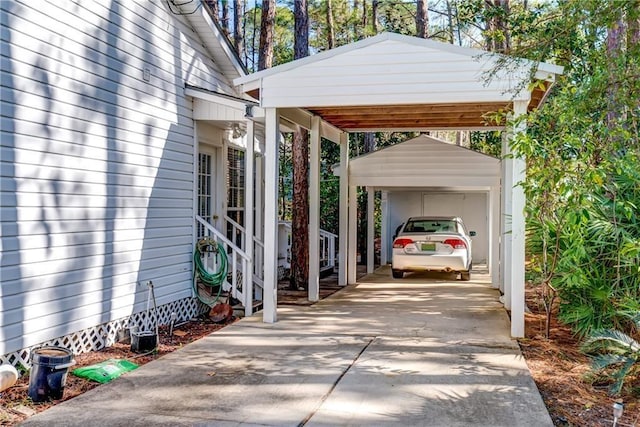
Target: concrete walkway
pixel 422 351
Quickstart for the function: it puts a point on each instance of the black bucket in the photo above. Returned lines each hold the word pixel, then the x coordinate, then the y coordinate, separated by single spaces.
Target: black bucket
pixel 49 366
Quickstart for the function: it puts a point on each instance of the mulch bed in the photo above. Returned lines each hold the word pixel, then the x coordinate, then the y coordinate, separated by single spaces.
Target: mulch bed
pixel 573 396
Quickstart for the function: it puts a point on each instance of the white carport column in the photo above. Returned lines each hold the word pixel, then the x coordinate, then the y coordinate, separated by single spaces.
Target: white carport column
pixel 505 221
pixel 371 194
pixel 353 235
pixel 518 202
pixel 343 238
pixel 494 236
pixel 272 141
pixel 314 211
pixel 249 248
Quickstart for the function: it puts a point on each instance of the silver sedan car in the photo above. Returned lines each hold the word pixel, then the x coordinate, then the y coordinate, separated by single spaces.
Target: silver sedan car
pixel 432 244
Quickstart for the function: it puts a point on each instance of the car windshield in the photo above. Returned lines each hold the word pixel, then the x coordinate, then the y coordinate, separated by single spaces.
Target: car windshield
pixel 430 226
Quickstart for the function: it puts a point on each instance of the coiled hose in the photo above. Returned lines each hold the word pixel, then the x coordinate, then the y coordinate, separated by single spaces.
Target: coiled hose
pixel 201 274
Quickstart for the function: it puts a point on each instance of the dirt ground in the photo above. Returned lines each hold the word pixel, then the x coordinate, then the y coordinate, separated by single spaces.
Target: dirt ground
pixel 558 368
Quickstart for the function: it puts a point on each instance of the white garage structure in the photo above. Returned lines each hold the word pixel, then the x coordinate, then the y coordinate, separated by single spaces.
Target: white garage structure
pixel 427 176
pixel 392 82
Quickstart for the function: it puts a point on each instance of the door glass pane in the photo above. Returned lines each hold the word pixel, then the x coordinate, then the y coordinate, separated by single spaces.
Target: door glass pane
pixel 204 191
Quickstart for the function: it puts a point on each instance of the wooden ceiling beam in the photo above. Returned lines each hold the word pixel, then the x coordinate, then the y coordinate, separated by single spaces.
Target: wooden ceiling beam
pixel 489 106
pixel 394 124
pixel 418 116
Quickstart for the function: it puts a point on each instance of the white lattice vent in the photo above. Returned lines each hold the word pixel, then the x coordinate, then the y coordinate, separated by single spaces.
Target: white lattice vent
pixel 283 272
pixel 106 335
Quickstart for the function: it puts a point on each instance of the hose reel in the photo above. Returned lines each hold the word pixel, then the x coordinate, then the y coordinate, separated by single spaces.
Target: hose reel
pixel 204 248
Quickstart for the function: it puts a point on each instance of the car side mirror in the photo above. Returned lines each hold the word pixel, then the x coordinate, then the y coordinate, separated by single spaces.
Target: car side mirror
pixel 472 233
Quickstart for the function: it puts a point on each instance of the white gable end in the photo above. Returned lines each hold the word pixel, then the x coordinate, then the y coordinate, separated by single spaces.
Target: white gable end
pixel 425 162
pixel 393 70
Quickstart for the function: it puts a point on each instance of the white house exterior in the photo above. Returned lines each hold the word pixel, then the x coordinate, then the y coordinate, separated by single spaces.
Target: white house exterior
pixel 124 141
pixel 109 109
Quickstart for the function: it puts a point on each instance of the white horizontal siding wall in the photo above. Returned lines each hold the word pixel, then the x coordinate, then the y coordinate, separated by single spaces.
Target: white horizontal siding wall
pixel 386 73
pixel 96 164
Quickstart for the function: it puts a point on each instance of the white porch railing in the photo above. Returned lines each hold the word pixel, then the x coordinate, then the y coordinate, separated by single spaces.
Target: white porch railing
pixel 238 232
pixel 328 255
pixel 247 287
pixel 258 267
pixel 238 282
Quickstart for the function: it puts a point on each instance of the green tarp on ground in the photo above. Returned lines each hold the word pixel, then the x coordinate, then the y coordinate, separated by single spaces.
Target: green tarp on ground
pixel 106 371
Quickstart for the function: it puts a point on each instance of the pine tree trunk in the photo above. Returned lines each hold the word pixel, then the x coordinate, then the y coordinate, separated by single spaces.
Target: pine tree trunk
pixel 224 23
pixel 374 16
pixel 331 35
pixel 357 31
pixel 498 36
pixel 238 37
pixel 299 277
pixel 422 19
pixel 364 16
pixel 450 22
pixel 369 146
pixel 267 22
pixel 213 7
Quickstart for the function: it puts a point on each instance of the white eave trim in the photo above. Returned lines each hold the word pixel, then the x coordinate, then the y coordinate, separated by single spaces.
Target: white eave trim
pixel 221 99
pixel 200 13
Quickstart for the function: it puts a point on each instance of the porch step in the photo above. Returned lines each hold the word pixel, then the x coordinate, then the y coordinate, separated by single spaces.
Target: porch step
pixel 326 272
pixel 238 309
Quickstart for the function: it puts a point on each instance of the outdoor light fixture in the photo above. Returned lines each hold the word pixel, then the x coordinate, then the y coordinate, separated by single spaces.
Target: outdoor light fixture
pixel 237 131
pixel 618 409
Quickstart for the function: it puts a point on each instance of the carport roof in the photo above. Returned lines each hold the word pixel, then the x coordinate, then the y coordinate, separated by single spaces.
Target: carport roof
pixel 425 162
pixel 396 82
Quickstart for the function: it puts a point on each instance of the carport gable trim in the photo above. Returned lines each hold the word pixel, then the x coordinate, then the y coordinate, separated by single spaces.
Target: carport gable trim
pixel 422 139
pixel 544 71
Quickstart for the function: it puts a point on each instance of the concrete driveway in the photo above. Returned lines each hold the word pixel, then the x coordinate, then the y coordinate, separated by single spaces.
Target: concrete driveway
pixel 421 351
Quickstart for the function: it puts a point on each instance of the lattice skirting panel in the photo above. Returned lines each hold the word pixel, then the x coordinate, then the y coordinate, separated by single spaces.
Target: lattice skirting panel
pixel 107 334
pixel 283 272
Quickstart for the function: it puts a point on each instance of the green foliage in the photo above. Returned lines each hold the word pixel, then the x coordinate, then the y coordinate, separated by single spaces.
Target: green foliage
pixel 616 353
pixel 583 164
pixel 282 39
pixel 489 143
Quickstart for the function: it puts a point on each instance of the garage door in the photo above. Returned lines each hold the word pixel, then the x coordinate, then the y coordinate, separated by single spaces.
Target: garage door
pixel 471 207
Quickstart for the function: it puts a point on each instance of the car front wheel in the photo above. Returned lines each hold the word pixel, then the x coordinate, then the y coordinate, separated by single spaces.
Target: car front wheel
pixel 397 274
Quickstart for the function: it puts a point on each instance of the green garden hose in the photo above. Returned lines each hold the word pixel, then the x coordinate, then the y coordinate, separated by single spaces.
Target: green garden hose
pixel 201 274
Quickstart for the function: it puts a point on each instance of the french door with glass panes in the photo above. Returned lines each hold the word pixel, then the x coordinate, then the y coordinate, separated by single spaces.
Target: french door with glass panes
pixel 207 187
